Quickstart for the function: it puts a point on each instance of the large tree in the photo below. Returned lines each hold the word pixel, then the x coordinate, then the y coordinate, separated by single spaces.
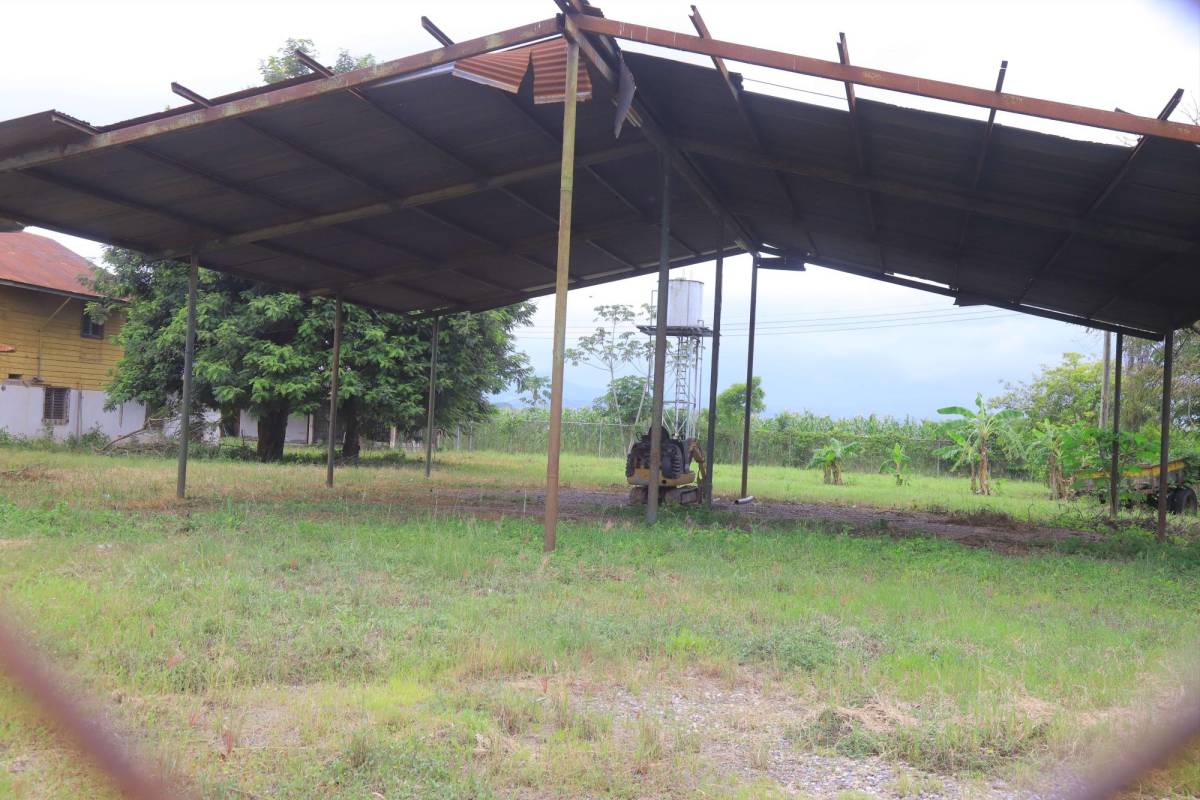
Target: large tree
pixel 267 351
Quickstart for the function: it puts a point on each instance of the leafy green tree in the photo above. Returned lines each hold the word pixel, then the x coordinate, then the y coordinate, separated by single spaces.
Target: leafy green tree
pixel 615 351
pixel 980 429
pixel 1063 394
pixel 831 458
pixel 731 403
pixel 533 389
pixel 622 401
pixel 284 64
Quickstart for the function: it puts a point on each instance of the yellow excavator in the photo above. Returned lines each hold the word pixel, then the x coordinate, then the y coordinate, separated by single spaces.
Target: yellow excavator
pixel 677 481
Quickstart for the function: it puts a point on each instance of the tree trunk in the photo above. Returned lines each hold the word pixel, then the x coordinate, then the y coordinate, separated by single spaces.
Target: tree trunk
pixel 837 474
pixel 272 429
pixel 974 479
pixel 351 445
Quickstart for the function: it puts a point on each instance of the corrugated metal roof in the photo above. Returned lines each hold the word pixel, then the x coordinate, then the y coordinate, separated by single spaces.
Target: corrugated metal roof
pixel 433 193
pixel 506 69
pixel 42 263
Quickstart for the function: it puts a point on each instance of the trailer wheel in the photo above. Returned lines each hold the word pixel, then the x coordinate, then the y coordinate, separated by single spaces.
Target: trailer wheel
pixel 1183 501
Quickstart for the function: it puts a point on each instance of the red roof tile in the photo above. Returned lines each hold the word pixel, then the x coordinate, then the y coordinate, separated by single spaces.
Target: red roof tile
pixel 44 263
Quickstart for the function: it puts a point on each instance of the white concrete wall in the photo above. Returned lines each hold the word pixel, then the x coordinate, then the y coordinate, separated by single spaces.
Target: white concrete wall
pixel 296 433
pixel 21 413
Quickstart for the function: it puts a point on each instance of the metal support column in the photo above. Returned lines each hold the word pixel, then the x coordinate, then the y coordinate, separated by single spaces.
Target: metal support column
pixel 710 445
pixel 1114 473
pixel 189 357
pixel 331 434
pixel 566 191
pixel 433 350
pixel 749 380
pixel 660 339
pixel 1104 383
pixel 1164 446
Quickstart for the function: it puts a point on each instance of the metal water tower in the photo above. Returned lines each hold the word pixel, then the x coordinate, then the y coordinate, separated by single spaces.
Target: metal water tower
pixel 685 326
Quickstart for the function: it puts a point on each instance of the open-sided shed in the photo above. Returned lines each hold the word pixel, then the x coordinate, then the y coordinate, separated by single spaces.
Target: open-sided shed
pixel 472 176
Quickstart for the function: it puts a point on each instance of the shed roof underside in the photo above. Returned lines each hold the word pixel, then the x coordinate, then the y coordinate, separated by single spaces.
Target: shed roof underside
pixel 263 195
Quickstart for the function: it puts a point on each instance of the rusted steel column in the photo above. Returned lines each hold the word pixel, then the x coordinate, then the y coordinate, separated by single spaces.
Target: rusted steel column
pixel 189 357
pixel 566 192
pixel 1164 445
pixel 710 446
pixel 1104 402
pixel 433 348
pixel 660 339
pixel 1115 470
pixel 331 444
pixel 749 380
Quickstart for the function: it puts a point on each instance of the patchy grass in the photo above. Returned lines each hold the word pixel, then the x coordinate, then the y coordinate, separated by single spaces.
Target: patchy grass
pixel 271 638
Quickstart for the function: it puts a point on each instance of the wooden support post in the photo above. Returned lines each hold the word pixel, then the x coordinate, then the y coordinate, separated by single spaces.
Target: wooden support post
pixel 331 434
pixel 660 339
pixel 1164 445
pixel 1114 475
pixel 566 191
pixel 432 405
pixel 749 381
pixel 189 357
pixel 710 445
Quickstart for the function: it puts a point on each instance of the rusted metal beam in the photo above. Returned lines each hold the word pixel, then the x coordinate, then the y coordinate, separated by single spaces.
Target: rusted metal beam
pixel 579 283
pixel 554 138
pixel 436 32
pixel 566 194
pixel 710 445
pixel 189 358
pixel 402 203
pixel 288 94
pixel 977 175
pixel 977 298
pixel 907 84
pixel 859 150
pixel 949 197
pixel 657 388
pixel 749 407
pixel 334 374
pixel 1164 443
pixel 752 127
pixel 1114 472
pixel 460 261
pixel 1098 201
pixel 354 175
pixel 652 129
pixel 431 405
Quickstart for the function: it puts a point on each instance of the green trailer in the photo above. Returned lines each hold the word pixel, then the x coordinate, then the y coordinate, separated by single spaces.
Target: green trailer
pixel 1183 475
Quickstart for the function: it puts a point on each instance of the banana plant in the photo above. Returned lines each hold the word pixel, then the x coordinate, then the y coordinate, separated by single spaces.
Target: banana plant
pixel 897 463
pixel 981 428
pixel 830 459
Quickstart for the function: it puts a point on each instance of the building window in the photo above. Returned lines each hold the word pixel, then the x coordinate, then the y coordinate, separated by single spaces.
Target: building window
pixel 54 406
pixel 91 329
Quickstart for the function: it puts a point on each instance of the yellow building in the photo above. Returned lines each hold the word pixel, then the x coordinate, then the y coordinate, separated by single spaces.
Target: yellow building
pixel 54 359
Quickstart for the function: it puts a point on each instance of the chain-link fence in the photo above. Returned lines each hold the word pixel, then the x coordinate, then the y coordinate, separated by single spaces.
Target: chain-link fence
pixel 788 447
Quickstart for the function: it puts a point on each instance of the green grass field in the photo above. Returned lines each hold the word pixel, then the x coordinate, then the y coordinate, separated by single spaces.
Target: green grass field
pixel 272 638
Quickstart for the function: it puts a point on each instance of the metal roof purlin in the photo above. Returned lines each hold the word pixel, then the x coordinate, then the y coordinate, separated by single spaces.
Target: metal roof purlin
pixel 1116 179
pixel 907 84
pixel 752 128
pixel 654 132
pixel 237 108
pixel 980 160
pixel 553 137
pixel 860 153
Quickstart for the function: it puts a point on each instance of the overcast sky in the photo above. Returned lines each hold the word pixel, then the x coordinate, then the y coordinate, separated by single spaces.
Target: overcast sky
pixel 828 342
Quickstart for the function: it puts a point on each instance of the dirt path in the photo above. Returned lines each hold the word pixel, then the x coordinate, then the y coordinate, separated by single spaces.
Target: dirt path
pixel 978 529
